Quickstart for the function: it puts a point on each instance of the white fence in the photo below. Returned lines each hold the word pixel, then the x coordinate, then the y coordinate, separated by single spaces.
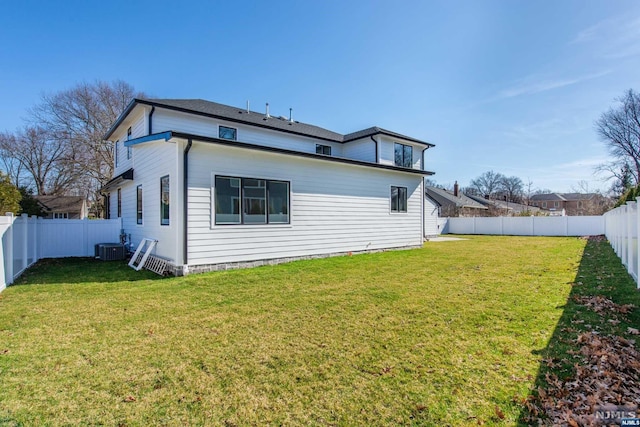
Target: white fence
pixel 26 240
pixel 529 226
pixel 622 224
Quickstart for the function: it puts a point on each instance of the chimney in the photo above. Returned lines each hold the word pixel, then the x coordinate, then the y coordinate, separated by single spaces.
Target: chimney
pixel 456 189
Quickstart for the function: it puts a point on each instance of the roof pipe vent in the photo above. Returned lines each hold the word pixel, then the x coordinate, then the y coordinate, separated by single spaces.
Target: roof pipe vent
pixel 248 111
pixel 290 115
pixel 267 116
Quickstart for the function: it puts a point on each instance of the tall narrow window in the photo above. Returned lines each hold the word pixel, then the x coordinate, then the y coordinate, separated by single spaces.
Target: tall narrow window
pixel 278 195
pixel 403 155
pixel 116 149
pixel 128 138
pixel 139 204
pixel 254 201
pixel 164 200
pixel 107 213
pixel 227 200
pixel 398 199
pixel 119 202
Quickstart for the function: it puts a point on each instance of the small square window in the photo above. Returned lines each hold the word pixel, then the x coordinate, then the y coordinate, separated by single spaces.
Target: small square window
pixel 227 133
pixel 323 149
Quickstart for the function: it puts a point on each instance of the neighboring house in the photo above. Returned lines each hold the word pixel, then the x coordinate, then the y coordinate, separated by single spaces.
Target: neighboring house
pixel 63 207
pixel 455 203
pixel 571 203
pixel 220 186
pixel 504 208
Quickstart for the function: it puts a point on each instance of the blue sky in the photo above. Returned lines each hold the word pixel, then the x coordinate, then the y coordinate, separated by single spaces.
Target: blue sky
pixel 510 86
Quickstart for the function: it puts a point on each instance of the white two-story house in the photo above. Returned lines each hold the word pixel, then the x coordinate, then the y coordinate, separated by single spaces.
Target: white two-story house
pixel 220 187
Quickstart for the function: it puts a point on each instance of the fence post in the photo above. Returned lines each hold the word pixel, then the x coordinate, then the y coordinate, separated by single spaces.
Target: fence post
pixel 637 241
pixel 9 252
pixel 85 237
pixel 630 218
pixel 25 238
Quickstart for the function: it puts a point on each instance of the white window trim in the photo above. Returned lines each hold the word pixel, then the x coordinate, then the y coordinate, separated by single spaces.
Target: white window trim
pixel 391 212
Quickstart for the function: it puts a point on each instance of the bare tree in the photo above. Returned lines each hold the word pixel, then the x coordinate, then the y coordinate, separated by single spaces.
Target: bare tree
pixel 80 117
pixel 44 158
pixel 619 129
pixel 513 188
pixel 488 183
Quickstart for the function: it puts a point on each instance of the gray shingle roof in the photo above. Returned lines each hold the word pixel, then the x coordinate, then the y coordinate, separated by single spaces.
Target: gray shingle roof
pixel 445 197
pixel 547 196
pixel 61 203
pixel 240 115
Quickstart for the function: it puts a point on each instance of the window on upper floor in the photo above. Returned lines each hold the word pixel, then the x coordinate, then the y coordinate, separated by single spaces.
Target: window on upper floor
pixel 225 132
pixel 398 199
pixel 116 152
pixel 128 138
pixel 251 201
pixel 403 155
pixel 323 149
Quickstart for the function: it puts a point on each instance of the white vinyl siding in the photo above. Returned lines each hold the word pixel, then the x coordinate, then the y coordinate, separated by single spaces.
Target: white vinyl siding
pixel 362 149
pixel 154 160
pixel 334 208
pixel 165 120
pixel 125 157
pixel 430 218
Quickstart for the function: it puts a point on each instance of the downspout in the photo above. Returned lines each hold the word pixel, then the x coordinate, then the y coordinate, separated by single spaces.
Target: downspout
pixel 376 143
pixel 153 109
pixel 185 199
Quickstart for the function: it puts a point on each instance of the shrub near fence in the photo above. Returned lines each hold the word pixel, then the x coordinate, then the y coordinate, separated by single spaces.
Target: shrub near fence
pixel 26 240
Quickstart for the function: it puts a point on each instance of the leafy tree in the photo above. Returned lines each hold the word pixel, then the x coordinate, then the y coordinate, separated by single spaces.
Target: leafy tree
pixel 9 196
pixel 619 129
pixel 28 203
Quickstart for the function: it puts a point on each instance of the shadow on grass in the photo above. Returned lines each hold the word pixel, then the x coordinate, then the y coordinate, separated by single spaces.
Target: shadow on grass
pixel 600 274
pixel 81 270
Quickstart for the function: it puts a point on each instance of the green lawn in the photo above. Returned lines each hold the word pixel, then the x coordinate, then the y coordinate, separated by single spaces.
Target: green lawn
pixel 451 334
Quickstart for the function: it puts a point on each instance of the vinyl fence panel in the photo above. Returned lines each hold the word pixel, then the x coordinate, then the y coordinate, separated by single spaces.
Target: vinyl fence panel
pixel 25 240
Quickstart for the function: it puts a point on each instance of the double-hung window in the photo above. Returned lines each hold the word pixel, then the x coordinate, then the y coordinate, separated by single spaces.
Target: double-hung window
pixel 403 155
pixel 251 201
pixel 398 199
